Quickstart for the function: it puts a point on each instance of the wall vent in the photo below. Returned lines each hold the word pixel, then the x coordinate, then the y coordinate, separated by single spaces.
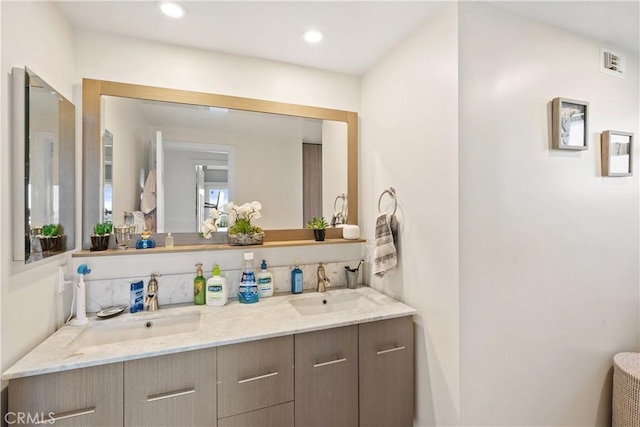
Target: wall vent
pixel 611 63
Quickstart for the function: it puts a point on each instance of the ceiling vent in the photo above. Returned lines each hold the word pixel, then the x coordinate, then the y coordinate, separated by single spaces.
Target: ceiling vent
pixel 611 63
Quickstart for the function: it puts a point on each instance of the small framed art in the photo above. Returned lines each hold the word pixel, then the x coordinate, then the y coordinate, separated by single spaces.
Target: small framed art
pixel 570 124
pixel 617 149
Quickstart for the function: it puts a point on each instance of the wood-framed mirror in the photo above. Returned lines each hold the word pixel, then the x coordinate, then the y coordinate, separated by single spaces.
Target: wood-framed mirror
pixel 97 168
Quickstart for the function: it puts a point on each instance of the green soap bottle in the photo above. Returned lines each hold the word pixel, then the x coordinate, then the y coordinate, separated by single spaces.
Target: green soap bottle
pixel 199 286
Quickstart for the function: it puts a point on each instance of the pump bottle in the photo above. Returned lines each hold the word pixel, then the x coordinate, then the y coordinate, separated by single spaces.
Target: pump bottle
pixel 199 284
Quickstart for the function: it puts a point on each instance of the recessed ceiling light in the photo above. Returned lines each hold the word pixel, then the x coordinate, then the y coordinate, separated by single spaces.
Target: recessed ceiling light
pixel 171 9
pixel 313 36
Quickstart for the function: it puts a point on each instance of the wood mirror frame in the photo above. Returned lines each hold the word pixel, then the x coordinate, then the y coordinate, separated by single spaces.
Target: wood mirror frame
pixel 92 91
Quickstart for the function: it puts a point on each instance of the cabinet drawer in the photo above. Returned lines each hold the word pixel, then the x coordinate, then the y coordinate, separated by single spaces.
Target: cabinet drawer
pixel 274 416
pixel 386 373
pixel 171 390
pixel 81 397
pixel 254 375
pixel 327 378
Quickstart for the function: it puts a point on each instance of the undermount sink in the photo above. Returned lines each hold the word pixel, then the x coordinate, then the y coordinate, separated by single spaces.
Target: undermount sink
pixel 332 302
pixel 137 327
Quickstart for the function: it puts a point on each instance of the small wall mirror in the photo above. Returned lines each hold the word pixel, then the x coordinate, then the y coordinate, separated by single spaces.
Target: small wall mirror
pixel 44 169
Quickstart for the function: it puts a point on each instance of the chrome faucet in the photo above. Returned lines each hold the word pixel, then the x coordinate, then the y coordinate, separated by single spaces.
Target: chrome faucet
pixel 151 301
pixel 323 280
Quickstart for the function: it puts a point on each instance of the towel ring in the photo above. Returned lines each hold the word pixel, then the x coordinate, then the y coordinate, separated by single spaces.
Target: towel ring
pixel 342 197
pixel 391 192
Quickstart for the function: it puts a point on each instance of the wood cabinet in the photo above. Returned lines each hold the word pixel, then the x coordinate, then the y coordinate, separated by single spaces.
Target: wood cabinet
pixel 254 375
pixel 386 373
pixel 171 390
pixel 326 378
pixel 81 397
pixel 346 376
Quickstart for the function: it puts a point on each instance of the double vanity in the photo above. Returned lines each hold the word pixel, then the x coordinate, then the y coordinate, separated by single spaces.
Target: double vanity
pixel 339 358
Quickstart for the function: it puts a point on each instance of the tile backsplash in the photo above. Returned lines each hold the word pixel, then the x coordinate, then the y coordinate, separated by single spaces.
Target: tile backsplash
pixel 177 288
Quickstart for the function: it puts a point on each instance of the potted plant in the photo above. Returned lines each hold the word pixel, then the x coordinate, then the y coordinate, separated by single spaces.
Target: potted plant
pixel 243 232
pixel 319 227
pixel 101 235
pixel 50 238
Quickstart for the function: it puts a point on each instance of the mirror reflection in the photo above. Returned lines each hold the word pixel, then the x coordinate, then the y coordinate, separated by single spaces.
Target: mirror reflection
pixel 49 207
pixel 164 164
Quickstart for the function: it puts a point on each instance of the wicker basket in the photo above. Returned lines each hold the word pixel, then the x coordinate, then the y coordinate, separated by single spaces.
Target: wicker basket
pixel 626 390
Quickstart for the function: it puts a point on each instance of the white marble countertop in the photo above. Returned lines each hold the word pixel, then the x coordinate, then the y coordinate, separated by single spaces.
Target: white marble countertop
pixel 233 323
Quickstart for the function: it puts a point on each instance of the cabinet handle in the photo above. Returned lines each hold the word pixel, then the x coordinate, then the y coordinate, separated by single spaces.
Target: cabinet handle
pixel 170 394
pixel 63 416
pixel 390 350
pixel 258 378
pixel 331 362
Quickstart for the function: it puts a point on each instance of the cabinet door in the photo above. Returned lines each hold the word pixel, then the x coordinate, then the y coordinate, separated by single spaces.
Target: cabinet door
pixel 254 375
pixel 386 373
pixel 273 416
pixel 327 377
pixel 81 397
pixel 172 390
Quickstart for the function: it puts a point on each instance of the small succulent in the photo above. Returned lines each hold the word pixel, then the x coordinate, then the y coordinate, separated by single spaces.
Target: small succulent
pixel 50 230
pixel 317 223
pixel 102 229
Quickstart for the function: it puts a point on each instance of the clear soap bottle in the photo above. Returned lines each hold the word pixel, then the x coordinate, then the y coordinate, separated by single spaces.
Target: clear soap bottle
pixel 168 241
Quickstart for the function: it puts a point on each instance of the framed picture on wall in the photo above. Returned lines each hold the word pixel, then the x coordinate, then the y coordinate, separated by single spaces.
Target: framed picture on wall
pixel 617 149
pixel 570 124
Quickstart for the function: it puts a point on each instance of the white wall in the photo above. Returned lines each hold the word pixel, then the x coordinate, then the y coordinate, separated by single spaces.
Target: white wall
pixel 409 142
pixel 104 57
pixel 30 307
pixel 334 165
pixel 129 129
pixel 548 247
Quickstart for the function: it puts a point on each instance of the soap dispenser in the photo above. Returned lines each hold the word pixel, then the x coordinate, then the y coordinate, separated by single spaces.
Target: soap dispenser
pixel 265 281
pixel 217 289
pixel 296 279
pixel 199 284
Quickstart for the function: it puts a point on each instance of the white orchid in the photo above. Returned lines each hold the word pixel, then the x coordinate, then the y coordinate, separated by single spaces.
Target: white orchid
pixel 242 216
pixel 209 225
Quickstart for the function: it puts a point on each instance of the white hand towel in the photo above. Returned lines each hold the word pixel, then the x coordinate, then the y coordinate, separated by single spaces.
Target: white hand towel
pixel 148 197
pixel 385 256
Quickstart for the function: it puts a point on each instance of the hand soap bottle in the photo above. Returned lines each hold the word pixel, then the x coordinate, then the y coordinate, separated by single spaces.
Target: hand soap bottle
pixel 199 284
pixel 265 281
pixel 216 289
pixel 248 291
pixel 296 280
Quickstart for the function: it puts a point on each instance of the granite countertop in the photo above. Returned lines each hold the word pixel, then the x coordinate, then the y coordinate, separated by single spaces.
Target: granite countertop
pixel 233 323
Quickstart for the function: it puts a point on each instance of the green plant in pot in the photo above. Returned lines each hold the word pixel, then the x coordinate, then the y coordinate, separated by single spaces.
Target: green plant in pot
pixel 319 227
pixel 101 235
pixel 243 231
pixel 50 238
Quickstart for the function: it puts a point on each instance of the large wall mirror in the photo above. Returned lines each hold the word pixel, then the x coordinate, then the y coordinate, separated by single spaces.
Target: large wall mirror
pixel 43 169
pixel 208 149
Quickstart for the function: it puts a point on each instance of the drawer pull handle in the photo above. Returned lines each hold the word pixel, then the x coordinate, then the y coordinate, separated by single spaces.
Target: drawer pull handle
pixel 390 350
pixel 258 378
pixel 57 417
pixel 170 394
pixel 331 362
